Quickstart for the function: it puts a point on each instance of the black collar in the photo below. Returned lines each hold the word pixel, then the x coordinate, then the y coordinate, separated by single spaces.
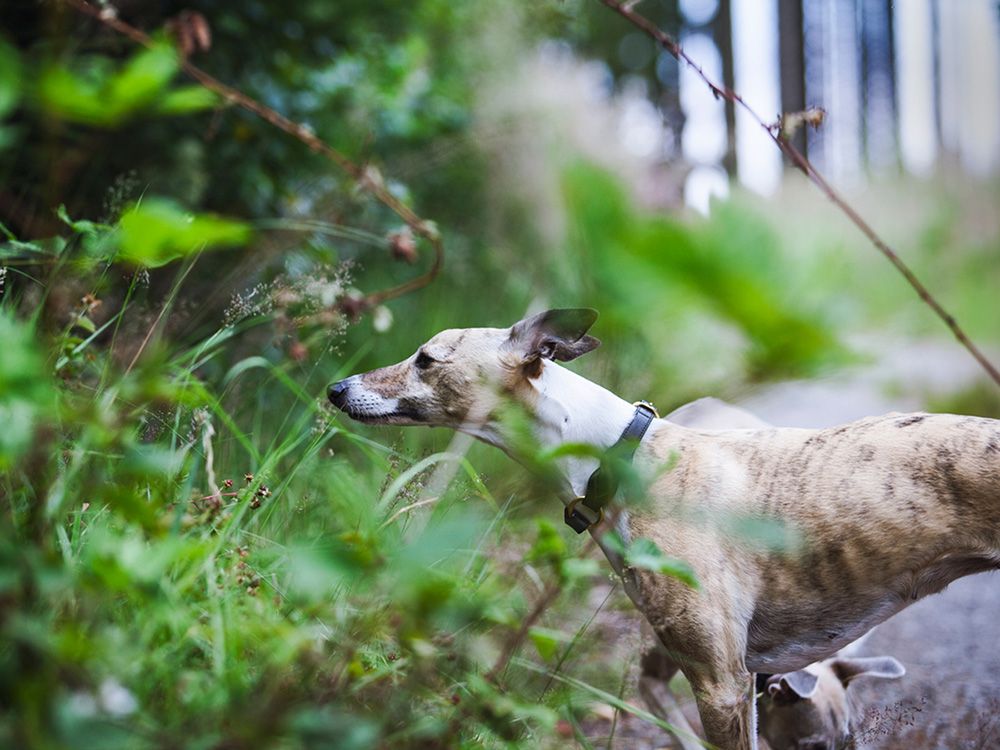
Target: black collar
pixel 588 510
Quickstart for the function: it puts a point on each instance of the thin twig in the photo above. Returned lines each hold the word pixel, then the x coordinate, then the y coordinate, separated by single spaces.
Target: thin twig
pixel 366 177
pixel 625 9
pixel 510 647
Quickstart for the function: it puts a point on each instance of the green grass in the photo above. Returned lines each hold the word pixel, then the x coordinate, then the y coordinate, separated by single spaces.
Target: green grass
pixel 185 564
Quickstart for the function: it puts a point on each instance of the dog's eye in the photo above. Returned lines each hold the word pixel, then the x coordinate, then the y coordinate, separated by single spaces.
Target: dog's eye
pixel 423 361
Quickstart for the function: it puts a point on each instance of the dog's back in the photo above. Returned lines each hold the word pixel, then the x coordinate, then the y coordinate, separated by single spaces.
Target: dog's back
pixel 886 510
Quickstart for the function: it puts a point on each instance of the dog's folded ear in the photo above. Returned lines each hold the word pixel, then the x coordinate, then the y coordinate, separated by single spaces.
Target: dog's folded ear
pixel 792 686
pixel 554 334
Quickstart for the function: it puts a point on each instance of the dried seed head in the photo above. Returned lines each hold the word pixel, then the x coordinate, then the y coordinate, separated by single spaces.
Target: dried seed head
pixel 403 246
pixel 248 477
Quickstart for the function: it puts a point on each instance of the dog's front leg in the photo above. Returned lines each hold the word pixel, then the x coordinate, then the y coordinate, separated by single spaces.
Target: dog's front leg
pixel 727 708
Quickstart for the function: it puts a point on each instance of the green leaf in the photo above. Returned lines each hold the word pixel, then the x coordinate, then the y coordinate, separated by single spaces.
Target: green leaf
pixel 85 323
pixel 152 461
pixel 71 97
pixel 764 533
pixel 186 99
pixel 26 394
pixel 157 231
pixel 546 641
pixel 97 97
pixel 142 78
pixel 612 540
pixel 10 78
pixel 573 568
pixel 643 553
pixel 81 226
pixel 549 546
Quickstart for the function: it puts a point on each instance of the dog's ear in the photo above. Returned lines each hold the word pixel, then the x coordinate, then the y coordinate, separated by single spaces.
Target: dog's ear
pixel 792 686
pixel 554 334
pixel 848 669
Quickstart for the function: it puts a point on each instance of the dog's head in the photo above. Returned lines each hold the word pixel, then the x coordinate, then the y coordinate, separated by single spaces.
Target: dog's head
pixel 811 709
pixel 457 378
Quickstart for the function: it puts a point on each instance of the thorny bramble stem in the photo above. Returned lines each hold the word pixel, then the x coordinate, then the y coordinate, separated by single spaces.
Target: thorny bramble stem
pixel 625 9
pixel 365 176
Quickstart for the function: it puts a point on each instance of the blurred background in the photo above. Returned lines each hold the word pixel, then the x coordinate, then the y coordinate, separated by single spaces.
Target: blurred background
pixel 196 552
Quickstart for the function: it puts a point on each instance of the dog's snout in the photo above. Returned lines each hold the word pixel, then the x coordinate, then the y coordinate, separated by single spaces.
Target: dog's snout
pixel 337 392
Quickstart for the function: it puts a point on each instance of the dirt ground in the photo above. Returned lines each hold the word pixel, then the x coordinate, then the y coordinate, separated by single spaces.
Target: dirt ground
pixel 949 643
pixel 949 698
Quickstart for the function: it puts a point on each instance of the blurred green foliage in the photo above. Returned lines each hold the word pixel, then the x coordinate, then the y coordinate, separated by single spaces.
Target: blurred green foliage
pixel 26 393
pixel 729 266
pixel 157 231
pixel 193 551
pixel 101 96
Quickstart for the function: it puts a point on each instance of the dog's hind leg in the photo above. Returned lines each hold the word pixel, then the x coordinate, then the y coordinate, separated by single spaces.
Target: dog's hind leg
pixel 657 669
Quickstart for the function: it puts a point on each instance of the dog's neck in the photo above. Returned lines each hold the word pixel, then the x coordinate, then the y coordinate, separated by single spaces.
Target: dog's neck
pixel 571 409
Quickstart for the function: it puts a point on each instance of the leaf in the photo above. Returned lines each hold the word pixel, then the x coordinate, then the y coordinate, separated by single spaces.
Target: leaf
pixel 157 231
pixel 311 573
pixel 546 641
pixel 142 79
pixel 81 226
pixel 186 99
pixel 149 461
pixel 764 533
pixel 10 78
pixel 100 98
pixel 612 540
pixel 85 323
pixel 643 553
pixel 71 97
pixel 549 545
pixel 573 568
pixel 26 394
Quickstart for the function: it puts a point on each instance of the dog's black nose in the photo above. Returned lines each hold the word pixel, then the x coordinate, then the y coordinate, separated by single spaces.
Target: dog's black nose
pixel 337 393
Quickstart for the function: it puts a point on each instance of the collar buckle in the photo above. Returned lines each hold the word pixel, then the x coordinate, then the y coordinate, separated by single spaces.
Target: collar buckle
pixel 642 404
pixel 578 520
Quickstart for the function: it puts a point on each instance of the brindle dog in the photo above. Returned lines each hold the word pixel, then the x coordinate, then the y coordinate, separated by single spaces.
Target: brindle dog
pixel 887 509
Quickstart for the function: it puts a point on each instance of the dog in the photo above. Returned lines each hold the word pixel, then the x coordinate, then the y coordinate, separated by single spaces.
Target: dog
pixel 811 708
pixel 889 509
